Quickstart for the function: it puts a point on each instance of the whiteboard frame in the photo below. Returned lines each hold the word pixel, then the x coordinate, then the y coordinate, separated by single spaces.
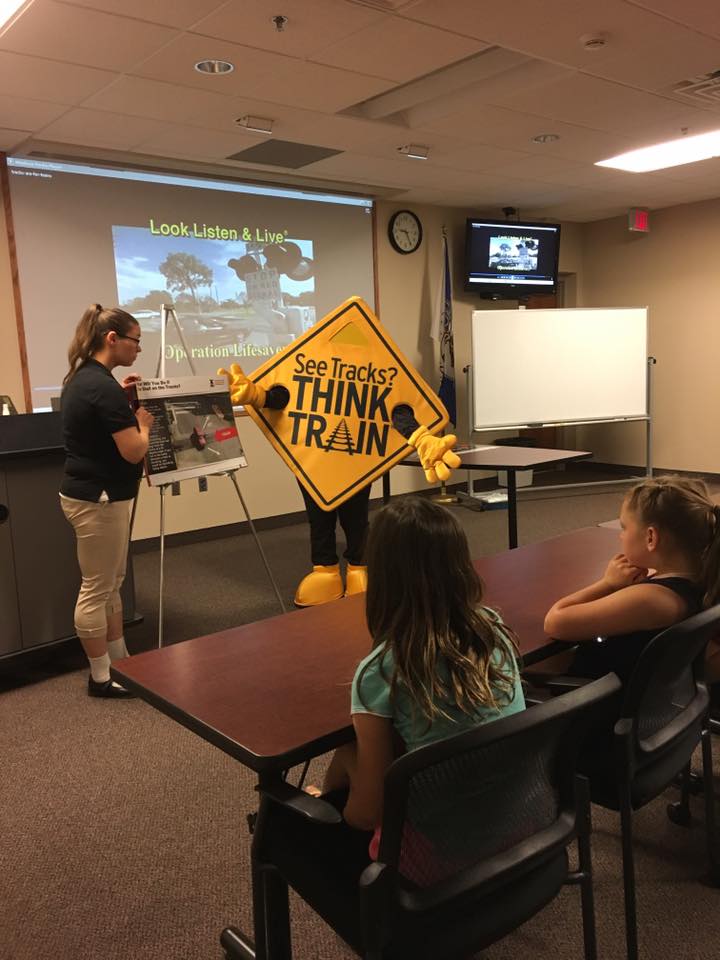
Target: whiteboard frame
pixel 473 427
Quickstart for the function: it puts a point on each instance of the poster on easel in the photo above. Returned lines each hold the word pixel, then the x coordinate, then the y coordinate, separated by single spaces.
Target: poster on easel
pixel 194 432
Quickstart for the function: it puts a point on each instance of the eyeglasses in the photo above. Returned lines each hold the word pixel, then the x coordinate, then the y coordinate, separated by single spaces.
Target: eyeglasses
pixel 123 336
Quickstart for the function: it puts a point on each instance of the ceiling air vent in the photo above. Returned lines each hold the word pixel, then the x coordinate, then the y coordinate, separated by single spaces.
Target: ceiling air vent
pixel 703 90
pixel 284 153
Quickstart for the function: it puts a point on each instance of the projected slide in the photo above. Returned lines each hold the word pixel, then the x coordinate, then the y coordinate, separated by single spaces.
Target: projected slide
pixel 513 253
pixel 236 300
pixel 247 267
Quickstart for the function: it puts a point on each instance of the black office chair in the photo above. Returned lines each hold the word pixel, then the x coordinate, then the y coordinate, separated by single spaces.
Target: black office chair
pixel 474 843
pixel 664 715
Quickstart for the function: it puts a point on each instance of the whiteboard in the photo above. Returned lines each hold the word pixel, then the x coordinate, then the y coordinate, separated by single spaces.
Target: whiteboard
pixel 558 366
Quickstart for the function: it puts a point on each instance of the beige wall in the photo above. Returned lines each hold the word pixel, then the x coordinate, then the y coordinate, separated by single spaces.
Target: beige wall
pixel 674 271
pixel 408 287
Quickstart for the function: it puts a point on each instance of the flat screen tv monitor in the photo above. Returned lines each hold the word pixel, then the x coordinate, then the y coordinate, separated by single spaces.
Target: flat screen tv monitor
pixel 511 260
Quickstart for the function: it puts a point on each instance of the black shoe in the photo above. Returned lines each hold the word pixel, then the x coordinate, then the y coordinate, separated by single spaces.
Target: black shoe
pixel 108 689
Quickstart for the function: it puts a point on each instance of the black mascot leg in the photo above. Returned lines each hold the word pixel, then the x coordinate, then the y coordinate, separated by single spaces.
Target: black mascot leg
pixel 353 515
pixel 324 583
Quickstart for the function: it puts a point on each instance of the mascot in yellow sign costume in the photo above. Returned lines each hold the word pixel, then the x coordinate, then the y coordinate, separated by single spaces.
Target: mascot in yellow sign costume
pixel 341 405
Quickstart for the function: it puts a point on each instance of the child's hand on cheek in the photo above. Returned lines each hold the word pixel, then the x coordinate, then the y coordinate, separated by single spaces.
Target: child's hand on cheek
pixel 621 573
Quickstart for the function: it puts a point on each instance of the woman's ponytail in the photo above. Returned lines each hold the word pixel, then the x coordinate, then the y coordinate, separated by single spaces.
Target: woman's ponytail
pixel 90 333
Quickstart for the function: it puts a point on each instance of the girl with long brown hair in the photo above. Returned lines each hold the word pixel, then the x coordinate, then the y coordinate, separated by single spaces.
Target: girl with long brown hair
pixel 105 443
pixel 669 568
pixel 441 662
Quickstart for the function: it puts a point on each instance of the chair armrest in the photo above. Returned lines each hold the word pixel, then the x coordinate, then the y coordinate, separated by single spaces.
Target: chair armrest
pixel 554 685
pixel 312 808
pixel 558 685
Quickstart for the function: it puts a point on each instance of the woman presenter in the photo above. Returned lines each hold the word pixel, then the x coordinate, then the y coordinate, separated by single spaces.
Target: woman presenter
pixel 105 443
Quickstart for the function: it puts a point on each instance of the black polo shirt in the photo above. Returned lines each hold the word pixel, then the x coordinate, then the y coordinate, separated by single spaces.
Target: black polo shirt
pixel 94 406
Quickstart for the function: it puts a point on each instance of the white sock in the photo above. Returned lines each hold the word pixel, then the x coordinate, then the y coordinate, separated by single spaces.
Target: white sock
pixel 117 649
pixel 100 668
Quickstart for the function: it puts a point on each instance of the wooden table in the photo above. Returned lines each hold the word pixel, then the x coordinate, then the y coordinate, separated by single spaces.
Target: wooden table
pixel 220 685
pixel 510 459
pixel 275 693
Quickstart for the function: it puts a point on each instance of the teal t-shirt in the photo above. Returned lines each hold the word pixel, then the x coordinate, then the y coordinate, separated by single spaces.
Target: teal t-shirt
pixel 414 730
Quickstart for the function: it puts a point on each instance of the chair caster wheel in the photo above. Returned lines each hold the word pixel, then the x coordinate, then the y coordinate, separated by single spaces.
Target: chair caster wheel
pixel 235 946
pixel 678 814
pixel 696 784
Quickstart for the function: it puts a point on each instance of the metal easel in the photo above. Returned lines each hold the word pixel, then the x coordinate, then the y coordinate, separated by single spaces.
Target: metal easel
pixel 167 314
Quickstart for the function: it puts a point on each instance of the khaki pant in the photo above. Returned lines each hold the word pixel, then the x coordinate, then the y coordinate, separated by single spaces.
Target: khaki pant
pixel 102 531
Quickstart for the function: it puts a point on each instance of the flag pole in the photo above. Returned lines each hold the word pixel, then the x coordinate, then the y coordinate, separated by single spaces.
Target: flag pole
pixel 445 325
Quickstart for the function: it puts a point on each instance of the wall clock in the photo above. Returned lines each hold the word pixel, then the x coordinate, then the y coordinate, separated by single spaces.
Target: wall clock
pixel 405 231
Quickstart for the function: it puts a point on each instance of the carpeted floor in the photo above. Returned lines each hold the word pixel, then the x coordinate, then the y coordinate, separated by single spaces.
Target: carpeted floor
pixel 123 835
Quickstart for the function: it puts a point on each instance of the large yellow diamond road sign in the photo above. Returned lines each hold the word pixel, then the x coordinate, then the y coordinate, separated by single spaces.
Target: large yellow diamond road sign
pixel 345 377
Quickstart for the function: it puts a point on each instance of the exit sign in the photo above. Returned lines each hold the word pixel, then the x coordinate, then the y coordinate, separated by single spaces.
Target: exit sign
pixel 638 220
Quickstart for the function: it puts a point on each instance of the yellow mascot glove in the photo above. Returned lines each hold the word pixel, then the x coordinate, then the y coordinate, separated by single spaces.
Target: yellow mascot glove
pixel 242 390
pixel 437 458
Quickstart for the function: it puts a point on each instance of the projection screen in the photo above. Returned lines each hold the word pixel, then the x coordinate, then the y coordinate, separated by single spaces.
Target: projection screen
pixel 247 267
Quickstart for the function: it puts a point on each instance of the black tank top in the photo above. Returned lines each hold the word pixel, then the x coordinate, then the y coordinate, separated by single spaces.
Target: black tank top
pixel 619 654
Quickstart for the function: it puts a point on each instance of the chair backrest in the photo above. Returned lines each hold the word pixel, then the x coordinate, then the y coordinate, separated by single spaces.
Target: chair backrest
pixel 666 694
pixel 462 812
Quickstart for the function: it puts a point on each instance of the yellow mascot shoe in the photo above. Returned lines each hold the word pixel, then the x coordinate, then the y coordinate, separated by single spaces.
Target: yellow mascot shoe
pixel 355 580
pixel 321 586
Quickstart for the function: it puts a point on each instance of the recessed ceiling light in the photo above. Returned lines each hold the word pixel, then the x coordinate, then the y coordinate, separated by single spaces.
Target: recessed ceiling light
pixel 416 151
pixel 671 153
pixel 214 66
pixel 546 138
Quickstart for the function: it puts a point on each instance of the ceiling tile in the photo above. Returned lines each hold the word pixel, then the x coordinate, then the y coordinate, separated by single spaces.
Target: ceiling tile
pixel 399 50
pixel 96 129
pixel 29 114
pixel 604 105
pixel 691 172
pixel 698 14
pixel 171 13
pixel 259 75
pixel 345 133
pixel 514 130
pixel 465 17
pixel 11 139
pixel 176 140
pixel 643 49
pixel 175 64
pixel 557 170
pixel 365 169
pixel 136 96
pixel 49 80
pixel 478 157
pixel 439 197
pixel 312 25
pixel 140 97
pixel 76 35
pixel 317 87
